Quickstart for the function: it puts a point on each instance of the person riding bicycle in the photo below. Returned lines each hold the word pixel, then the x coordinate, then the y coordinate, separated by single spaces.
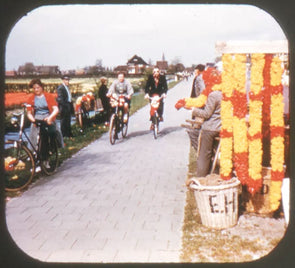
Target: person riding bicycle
pixel 121 86
pixel 43 107
pixel 156 84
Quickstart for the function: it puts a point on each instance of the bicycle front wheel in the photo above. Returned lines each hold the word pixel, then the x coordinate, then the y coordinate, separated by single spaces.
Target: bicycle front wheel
pixel 155 121
pixel 113 129
pixel 80 120
pixel 125 126
pixel 19 166
pixel 50 165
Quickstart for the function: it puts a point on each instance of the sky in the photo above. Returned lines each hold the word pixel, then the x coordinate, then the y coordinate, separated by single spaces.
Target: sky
pixel 76 36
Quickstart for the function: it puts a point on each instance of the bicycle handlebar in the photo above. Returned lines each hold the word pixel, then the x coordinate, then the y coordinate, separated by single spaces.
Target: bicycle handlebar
pixel 160 97
pixel 40 122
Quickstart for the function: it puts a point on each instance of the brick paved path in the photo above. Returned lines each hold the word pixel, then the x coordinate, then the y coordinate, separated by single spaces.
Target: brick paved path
pixel 120 203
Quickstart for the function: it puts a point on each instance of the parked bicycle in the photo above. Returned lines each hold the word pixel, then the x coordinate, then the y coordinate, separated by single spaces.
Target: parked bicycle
pixel 83 106
pixel 21 162
pixel 119 120
pixel 155 103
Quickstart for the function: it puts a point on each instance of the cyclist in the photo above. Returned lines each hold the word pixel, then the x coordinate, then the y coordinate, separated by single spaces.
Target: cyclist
pixel 121 86
pixel 44 107
pixel 156 84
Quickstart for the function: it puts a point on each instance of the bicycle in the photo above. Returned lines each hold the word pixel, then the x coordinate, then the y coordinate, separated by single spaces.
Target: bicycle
pixel 21 162
pixel 155 118
pixel 119 120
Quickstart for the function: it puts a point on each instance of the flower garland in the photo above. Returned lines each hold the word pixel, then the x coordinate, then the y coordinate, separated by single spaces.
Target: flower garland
pixel 226 113
pixel 277 132
pixel 266 98
pixel 240 130
pixel 255 123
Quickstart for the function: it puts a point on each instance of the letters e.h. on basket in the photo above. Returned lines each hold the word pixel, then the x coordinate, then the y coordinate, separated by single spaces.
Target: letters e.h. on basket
pixel 217 204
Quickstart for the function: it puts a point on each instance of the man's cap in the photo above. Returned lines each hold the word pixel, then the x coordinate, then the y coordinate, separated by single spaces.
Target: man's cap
pixel 65 77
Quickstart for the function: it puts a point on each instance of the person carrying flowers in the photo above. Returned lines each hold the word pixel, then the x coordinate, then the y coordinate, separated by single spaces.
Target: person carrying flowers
pixel 207 106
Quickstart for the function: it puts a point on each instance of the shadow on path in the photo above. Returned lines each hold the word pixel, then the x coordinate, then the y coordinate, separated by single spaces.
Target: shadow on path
pixel 165 131
pixel 137 134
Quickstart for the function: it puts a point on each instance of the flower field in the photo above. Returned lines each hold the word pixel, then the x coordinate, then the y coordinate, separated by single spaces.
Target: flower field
pixel 13 100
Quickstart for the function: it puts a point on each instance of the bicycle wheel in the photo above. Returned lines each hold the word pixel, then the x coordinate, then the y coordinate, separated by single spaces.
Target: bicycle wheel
pixel 19 166
pixel 113 129
pixel 50 165
pixel 125 126
pixel 80 119
pixel 156 125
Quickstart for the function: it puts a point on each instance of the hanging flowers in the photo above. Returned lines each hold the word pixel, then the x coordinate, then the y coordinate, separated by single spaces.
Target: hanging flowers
pixel 266 96
pixel 277 132
pixel 226 133
pixel 240 130
pixel 212 79
pixel 255 123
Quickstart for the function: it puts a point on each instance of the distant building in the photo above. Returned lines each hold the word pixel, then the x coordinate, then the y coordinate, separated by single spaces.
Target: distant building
pixel 121 68
pixel 80 72
pixel 47 70
pixel 163 65
pixel 136 65
pixel 10 73
pixel 30 69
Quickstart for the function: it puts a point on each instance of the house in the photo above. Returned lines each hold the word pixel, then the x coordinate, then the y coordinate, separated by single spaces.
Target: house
pixel 10 73
pixel 136 65
pixel 30 69
pixel 47 70
pixel 121 68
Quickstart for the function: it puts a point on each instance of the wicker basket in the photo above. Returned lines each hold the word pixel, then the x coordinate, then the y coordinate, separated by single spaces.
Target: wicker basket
pixel 259 203
pixel 218 205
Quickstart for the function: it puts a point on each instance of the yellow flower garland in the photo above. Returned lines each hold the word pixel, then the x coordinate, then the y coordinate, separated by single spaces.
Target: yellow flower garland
pixel 240 128
pixel 255 122
pixel 277 139
pixel 226 141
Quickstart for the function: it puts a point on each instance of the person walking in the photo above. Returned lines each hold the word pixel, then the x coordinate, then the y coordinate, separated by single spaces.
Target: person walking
pixel 157 84
pixel 102 94
pixel 65 105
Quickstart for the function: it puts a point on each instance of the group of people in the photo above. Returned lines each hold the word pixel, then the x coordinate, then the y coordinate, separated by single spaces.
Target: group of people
pixel 156 84
pixel 46 107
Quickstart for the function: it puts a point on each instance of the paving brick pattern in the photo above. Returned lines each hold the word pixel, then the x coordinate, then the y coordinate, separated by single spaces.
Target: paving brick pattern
pixel 111 203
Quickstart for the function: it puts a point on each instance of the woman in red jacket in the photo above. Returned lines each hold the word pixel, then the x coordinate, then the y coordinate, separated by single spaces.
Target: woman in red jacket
pixel 44 107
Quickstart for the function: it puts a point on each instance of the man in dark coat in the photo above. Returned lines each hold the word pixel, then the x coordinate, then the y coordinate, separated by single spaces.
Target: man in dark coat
pixel 102 94
pixel 65 106
pixel 198 83
pixel 157 84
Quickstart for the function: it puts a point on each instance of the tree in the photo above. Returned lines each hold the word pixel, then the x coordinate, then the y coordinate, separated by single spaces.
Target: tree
pixel 29 68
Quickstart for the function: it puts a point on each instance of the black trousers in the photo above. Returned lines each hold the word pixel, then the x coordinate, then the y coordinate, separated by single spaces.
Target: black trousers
pixel 65 119
pixel 205 151
pixel 47 136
